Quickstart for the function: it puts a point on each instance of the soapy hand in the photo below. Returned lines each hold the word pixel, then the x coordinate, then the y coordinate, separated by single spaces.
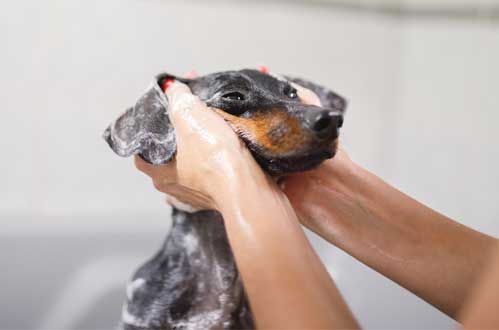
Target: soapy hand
pixel 302 188
pixel 209 153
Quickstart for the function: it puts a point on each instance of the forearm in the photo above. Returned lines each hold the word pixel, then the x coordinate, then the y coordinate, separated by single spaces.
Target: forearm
pixel 287 285
pixel 480 311
pixel 423 251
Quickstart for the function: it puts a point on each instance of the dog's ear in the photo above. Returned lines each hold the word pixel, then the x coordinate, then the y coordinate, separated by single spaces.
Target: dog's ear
pixel 145 129
pixel 329 99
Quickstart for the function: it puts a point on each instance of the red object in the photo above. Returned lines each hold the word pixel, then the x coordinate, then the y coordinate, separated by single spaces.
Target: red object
pixel 167 84
pixel 263 69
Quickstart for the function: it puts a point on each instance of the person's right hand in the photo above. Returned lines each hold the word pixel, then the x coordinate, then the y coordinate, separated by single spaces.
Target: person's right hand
pixel 304 189
pixel 312 192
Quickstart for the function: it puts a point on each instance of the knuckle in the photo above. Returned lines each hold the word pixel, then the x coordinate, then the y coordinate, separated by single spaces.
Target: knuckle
pixel 177 91
pixel 185 103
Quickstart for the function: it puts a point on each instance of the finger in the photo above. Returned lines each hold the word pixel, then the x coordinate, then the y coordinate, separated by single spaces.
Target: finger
pixel 191 74
pixel 142 165
pixel 182 101
pixel 263 69
pixel 177 90
pixel 164 173
pixel 188 200
pixel 306 95
pixel 183 106
pixel 189 114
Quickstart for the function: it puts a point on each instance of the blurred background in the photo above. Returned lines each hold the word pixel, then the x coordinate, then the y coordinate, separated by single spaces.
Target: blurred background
pixel 422 82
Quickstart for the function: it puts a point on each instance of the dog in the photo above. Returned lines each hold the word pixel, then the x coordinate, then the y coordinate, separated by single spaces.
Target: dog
pixel 192 282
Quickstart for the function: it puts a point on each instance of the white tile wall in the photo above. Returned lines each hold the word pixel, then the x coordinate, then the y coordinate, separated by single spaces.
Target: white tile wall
pixel 423 112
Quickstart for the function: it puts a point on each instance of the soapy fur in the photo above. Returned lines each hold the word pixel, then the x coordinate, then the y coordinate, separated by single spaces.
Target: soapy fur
pixel 193 282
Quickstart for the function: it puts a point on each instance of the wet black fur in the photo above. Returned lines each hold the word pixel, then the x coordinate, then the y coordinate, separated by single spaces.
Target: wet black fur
pixel 193 282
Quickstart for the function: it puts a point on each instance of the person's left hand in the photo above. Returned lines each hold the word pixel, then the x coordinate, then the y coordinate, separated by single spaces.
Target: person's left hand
pixel 210 156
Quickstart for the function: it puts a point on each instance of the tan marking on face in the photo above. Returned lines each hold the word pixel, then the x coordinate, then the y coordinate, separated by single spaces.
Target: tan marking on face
pixel 272 129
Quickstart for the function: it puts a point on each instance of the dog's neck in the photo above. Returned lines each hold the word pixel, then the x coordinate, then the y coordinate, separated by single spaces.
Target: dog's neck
pixel 201 237
pixel 193 229
pixel 208 264
pixel 192 282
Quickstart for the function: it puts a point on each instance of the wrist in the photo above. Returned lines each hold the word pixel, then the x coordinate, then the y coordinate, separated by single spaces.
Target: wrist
pixel 241 179
pixel 344 173
pixel 333 200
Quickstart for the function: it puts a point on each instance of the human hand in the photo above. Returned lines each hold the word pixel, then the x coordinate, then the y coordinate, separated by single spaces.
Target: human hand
pixel 304 189
pixel 209 154
pixel 208 151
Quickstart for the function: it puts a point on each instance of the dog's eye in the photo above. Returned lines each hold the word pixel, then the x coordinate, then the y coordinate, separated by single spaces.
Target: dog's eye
pixel 291 92
pixel 234 96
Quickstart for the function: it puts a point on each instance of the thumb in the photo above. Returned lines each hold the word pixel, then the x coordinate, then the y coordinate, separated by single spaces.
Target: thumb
pixel 189 114
pixel 185 109
pixel 306 95
pixel 179 97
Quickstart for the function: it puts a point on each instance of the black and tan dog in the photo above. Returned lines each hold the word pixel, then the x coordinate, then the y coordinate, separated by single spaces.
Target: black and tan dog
pixel 193 282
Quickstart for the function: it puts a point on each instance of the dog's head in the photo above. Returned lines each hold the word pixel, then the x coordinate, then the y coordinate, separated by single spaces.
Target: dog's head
pixel 283 134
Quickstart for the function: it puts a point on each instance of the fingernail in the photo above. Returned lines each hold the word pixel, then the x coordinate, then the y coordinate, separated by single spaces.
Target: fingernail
pixel 263 69
pixel 167 83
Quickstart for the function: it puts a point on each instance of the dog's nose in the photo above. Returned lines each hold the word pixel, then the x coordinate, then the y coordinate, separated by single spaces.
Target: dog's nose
pixel 324 122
